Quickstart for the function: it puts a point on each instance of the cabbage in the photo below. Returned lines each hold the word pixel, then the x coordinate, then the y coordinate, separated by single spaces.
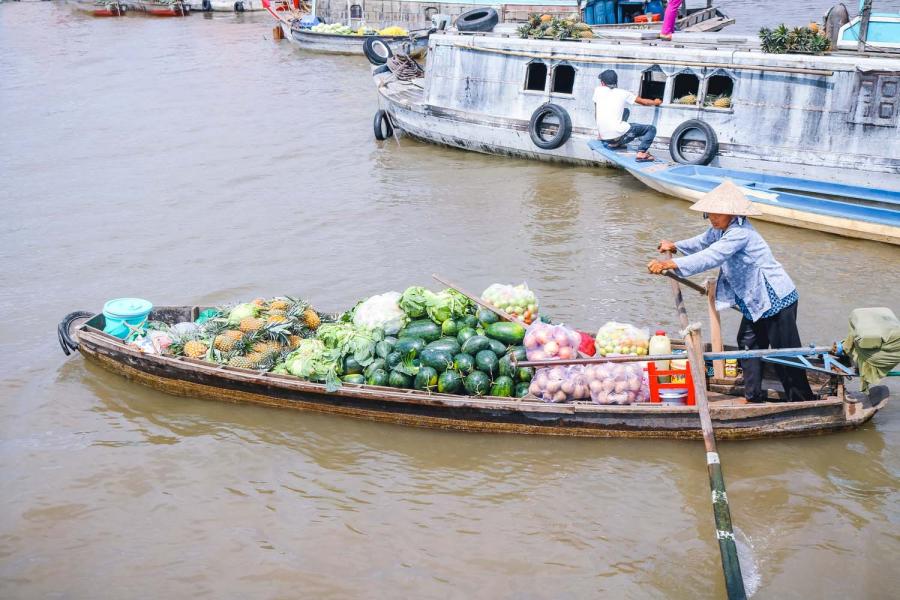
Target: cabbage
pixel 241 312
pixel 414 301
pixel 439 307
pixel 347 339
pixel 381 312
pixel 312 360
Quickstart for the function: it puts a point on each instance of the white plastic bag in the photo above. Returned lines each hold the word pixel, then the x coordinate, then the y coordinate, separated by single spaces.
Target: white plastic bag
pixel 551 342
pixel 617 383
pixel 622 338
pixel 559 384
pixel 381 312
pixel 517 300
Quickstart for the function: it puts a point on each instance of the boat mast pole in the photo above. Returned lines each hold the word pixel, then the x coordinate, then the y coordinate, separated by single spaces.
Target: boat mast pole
pixel 865 13
pixel 734 582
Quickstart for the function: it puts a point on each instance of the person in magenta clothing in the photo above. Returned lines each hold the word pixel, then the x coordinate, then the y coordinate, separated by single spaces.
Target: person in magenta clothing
pixel 668 26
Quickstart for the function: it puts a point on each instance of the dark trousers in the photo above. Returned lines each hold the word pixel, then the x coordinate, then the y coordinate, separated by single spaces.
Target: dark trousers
pixel 645 133
pixel 777 331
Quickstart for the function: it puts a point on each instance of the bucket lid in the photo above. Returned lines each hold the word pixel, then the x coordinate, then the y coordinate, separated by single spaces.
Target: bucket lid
pixel 127 307
pixel 660 332
pixel 673 393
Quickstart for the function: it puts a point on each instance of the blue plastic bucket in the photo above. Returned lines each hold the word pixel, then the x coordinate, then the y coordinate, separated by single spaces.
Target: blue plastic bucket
pixel 125 315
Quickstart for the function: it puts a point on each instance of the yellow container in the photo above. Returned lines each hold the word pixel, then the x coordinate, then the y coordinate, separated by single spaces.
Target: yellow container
pixel 679 364
pixel 731 367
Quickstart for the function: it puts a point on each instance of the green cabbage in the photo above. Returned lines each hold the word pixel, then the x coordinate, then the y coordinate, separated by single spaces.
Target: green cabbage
pixel 347 339
pixel 241 312
pixel 414 301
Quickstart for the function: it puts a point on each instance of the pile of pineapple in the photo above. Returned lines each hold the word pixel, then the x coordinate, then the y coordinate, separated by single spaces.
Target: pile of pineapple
pixel 257 335
pixel 554 28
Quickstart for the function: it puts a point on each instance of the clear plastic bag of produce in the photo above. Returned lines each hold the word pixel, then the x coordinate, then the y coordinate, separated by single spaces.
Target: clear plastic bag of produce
pixel 381 312
pixel 622 338
pixel 560 384
pixel 517 300
pixel 617 383
pixel 551 342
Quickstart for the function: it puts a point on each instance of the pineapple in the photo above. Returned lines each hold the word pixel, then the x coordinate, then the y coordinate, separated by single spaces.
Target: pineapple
pixel 241 362
pixel 195 349
pixel 266 347
pixel 260 302
pixel 688 99
pixel 272 319
pixel 251 324
pixel 294 341
pixel 722 102
pixel 311 319
pixel 586 34
pixel 225 343
pixel 279 304
pixel 233 334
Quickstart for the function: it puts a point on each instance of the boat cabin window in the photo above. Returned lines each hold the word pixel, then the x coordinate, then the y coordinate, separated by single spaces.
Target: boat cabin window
pixel 685 88
pixel 653 84
pixel 536 77
pixel 719 89
pixel 877 99
pixel 563 79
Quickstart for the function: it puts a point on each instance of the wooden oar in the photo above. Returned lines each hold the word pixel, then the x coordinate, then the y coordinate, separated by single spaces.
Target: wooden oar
pixel 734 582
pixel 499 312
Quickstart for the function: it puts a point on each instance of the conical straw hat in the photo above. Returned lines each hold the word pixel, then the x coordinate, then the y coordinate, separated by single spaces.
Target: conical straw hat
pixel 726 199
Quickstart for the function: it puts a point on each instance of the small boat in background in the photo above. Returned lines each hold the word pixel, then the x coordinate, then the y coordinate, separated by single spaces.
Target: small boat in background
pixel 237 6
pixel 848 210
pixel 102 8
pixel 163 8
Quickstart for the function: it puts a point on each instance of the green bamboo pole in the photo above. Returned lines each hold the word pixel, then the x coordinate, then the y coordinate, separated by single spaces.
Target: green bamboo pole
pixel 734 582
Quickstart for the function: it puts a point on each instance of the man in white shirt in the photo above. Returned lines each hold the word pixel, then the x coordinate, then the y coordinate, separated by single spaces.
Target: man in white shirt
pixel 612 116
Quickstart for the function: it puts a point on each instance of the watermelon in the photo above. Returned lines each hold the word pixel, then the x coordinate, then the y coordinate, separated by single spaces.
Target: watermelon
pixel 464 334
pixel 503 387
pixel 445 343
pixel 508 333
pixel 498 348
pixel 505 367
pixel 518 352
pixel 449 327
pixel 524 374
pixel 476 344
pixel 449 382
pixel 486 317
pixel 470 321
pixel 376 364
pixel 478 383
pixel 437 358
pixel 426 379
pixel 486 361
pixel 383 348
pixel 425 329
pixel 400 380
pixel 393 359
pixel 405 345
pixel 464 363
pixel 352 367
pixel 522 389
pixel 378 377
pixel 354 378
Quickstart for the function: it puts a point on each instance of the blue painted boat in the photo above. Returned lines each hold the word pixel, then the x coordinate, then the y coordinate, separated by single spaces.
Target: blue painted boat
pixel 882 34
pixel 848 210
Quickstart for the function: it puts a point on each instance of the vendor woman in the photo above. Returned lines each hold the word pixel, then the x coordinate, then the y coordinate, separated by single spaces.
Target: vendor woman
pixel 750 278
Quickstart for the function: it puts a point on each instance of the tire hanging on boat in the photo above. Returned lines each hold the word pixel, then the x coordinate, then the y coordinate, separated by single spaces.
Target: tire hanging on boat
pixel 376 50
pixel 239 6
pixel 478 19
pixel 694 131
pixel 206 6
pixel 62 330
pixel 382 125
pixel 536 126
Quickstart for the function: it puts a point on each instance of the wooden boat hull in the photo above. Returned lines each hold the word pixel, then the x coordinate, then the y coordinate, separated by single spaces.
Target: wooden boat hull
pixel 111 9
pixel 197 379
pixel 326 43
pixel 851 211
pixel 177 9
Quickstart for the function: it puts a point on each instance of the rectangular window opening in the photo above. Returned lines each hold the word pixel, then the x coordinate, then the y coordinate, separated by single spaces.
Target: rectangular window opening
pixel 719 89
pixel 536 77
pixel 685 89
pixel 563 79
pixel 653 85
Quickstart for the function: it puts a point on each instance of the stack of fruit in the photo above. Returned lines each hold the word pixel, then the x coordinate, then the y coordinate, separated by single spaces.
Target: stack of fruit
pixel 621 338
pixel 333 29
pixel 253 335
pixel 516 300
pixel 550 27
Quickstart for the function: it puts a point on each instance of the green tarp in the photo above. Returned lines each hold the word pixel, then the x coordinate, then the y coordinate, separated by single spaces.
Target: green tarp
pixel 873 343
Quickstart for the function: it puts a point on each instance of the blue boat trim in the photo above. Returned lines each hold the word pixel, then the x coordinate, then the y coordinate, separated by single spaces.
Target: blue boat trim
pixel 858 203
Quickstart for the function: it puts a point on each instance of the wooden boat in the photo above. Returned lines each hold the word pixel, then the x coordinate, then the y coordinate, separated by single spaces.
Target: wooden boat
pixel 848 210
pixel 103 9
pixel 328 43
pixel 837 410
pixel 163 8
pixel 237 6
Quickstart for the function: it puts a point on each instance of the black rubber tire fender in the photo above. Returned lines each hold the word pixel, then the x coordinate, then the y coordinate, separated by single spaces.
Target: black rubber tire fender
pixel 239 6
pixel 706 131
pixel 537 120
pixel 382 125
pixel 477 19
pixel 206 6
pixel 64 333
pixel 376 50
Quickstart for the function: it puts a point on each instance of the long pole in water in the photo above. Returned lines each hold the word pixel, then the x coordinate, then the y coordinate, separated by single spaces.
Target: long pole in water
pixel 734 582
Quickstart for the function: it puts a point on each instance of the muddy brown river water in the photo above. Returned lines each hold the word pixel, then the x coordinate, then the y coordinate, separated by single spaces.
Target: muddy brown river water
pixel 195 161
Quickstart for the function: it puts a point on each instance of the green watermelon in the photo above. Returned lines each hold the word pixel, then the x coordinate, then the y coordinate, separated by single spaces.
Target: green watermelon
pixel 524 374
pixel 426 379
pixel 487 362
pixel 497 347
pixel 449 382
pixel 464 334
pixel 351 366
pixel 521 389
pixel 508 333
pixel 437 358
pixel 376 364
pixel 354 378
pixel 486 317
pixel 478 383
pixel 378 377
pixel 405 345
pixel 464 363
pixel 476 344
pixel 400 380
pixel 449 327
pixel 503 387
pixel 425 329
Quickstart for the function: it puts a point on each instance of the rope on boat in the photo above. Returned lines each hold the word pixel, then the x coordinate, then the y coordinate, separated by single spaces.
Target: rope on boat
pixel 404 68
pixel 62 330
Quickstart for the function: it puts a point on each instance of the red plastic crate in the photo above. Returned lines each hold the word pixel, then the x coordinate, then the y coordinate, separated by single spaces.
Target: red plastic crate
pixel 653 373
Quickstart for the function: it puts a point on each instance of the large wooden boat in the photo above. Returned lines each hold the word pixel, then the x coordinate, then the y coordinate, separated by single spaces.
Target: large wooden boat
pixel 163 8
pixel 838 409
pixel 102 8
